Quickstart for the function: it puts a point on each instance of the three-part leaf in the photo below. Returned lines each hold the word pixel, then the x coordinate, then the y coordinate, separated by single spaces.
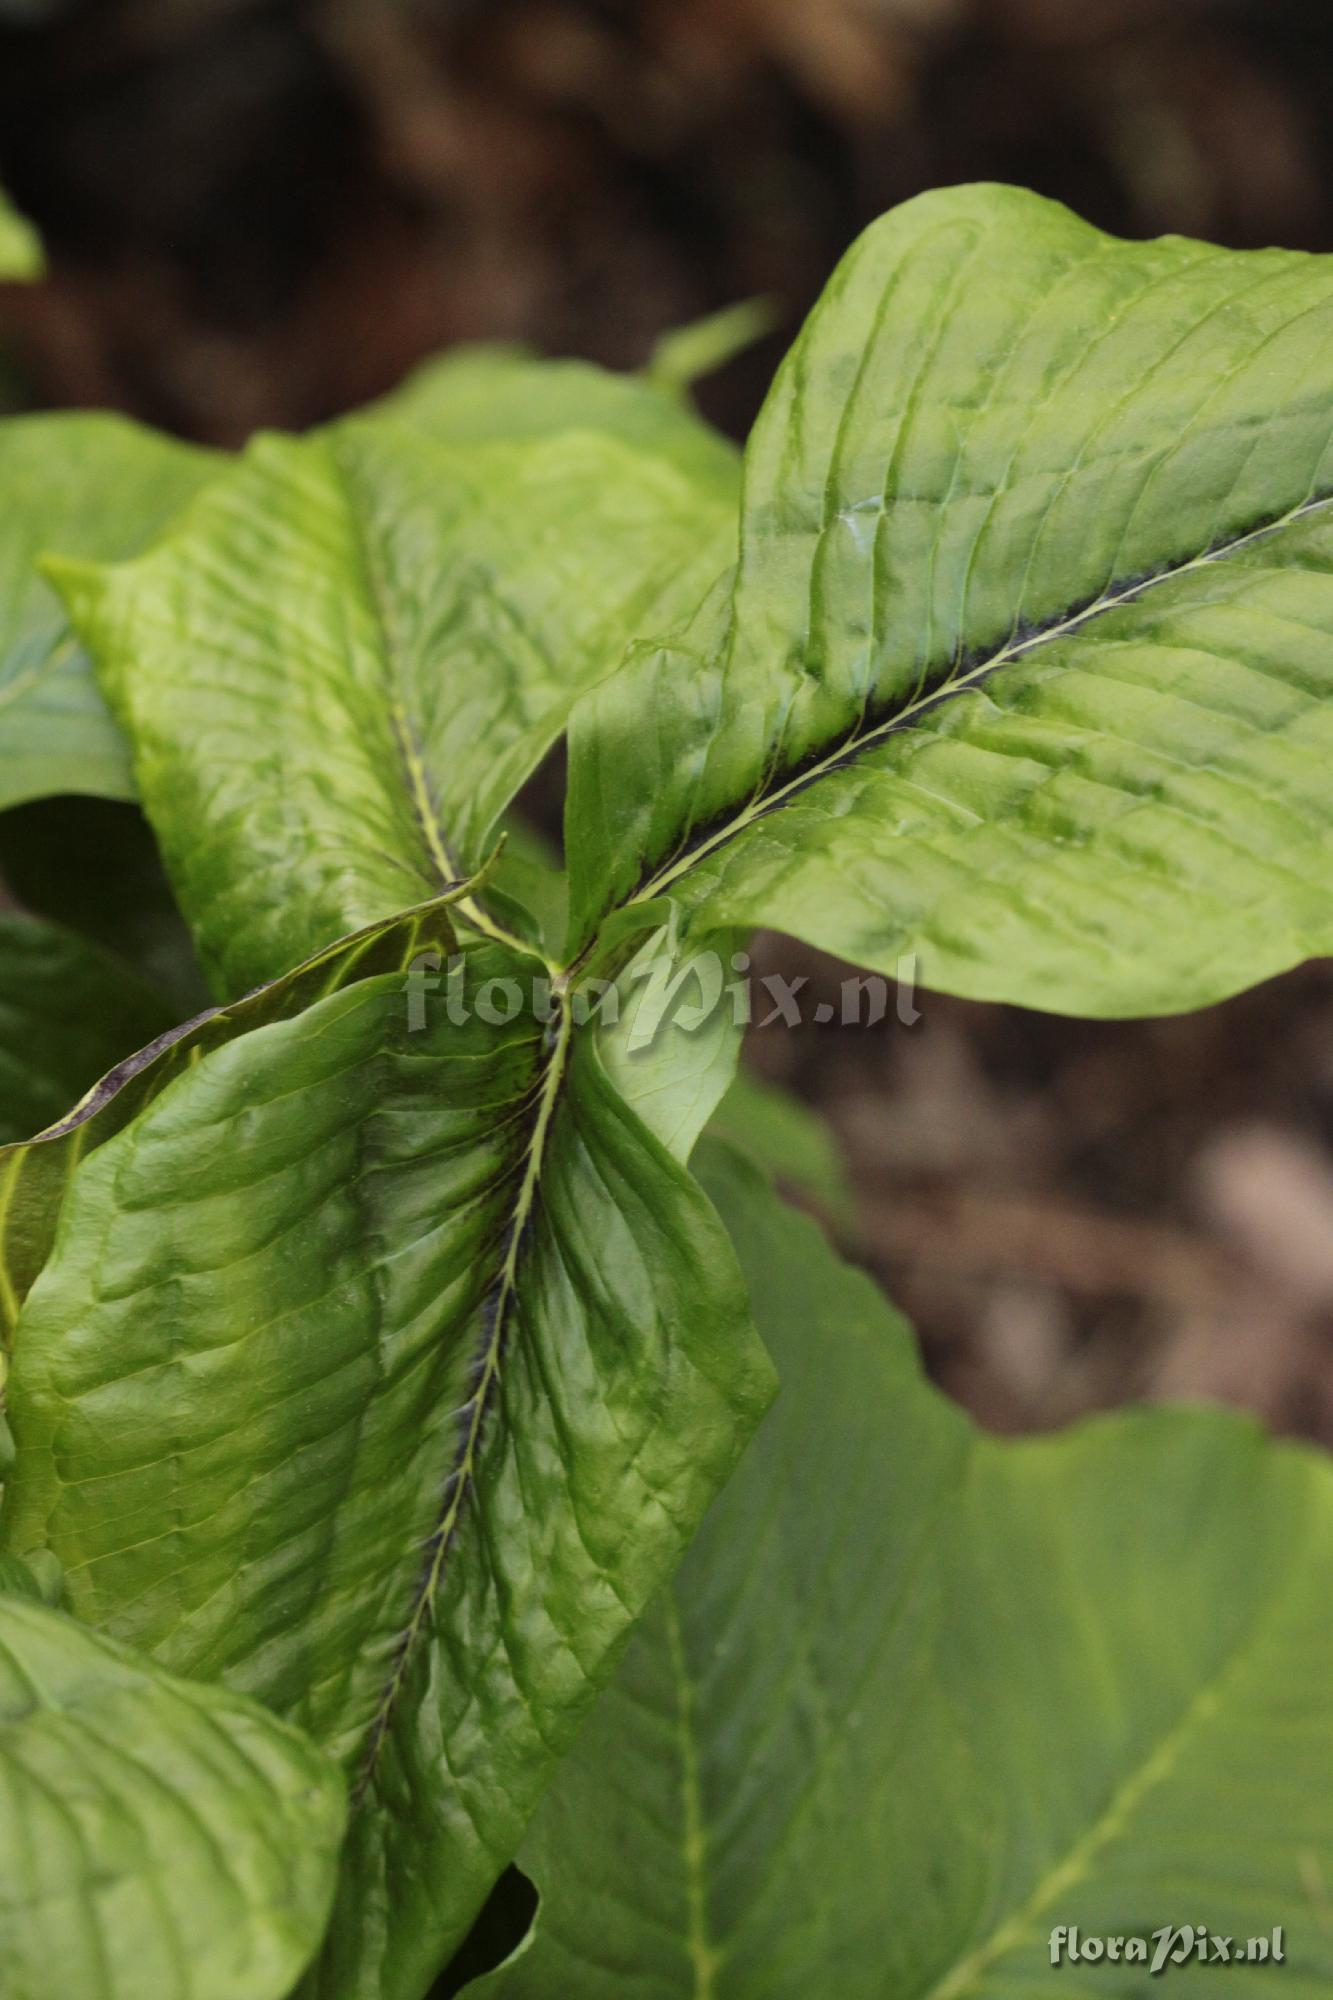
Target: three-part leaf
pixel 919 1695
pixel 1026 666
pixel 156 1837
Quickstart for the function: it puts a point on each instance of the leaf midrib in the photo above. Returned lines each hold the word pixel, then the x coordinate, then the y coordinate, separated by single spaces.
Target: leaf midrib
pixel 493 1314
pixel 483 1376
pixel 441 862
pixel 902 716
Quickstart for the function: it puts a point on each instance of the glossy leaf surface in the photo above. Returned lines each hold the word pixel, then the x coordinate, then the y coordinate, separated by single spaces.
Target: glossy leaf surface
pixel 358 646
pixel 384 1371
pixel 1026 667
pixel 89 1012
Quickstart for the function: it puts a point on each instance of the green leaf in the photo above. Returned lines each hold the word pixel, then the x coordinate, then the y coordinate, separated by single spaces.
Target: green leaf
pixel 529 882
pixel 687 353
pixel 21 256
pixel 58 983
pixel 90 486
pixel 67 1013
pixel 384 1372
pixel 918 1695
pixel 158 1840
pixel 341 668
pixel 1026 664
pixel 792 1144
pixel 479 394
pixel 39 1579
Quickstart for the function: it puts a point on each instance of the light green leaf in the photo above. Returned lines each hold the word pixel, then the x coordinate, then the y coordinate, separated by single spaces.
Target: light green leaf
pixel 685 354
pixel 479 394
pixel 384 1371
pixel 68 1012
pixel 21 255
pixel 89 486
pixel 918 1695
pixel 158 1840
pixel 64 990
pixel 1026 666
pixel 341 668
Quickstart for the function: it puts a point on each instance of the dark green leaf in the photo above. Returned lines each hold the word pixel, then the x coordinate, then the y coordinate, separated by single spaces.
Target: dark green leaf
pixel 919 1695
pixel 68 1012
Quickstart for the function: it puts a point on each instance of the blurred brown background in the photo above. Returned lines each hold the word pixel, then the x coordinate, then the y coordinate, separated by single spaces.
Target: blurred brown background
pixel 262 214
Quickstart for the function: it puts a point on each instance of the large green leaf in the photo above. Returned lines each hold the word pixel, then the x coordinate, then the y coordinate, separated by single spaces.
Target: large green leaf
pixel 68 1012
pixel 357 647
pixel 69 998
pixel 21 255
pixel 158 1840
pixel 91 486
pixel 1026 664
pixel 384 1371
pixel 917 1696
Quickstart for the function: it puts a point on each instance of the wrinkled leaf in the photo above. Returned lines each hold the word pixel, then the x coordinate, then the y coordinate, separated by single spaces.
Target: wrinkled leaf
pixel 919 1695
pixel 80 485
pixel 158 1840
pixel 455 1355
pixel 99 1020
pixel 1026 664
pixel 357 647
